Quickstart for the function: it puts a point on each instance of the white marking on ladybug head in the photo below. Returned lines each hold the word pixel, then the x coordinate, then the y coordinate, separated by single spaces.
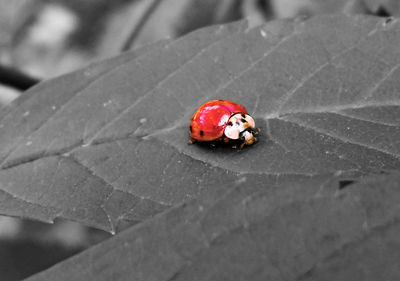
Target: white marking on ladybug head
pixel 237 124
pixel 232 132
pixel 234 127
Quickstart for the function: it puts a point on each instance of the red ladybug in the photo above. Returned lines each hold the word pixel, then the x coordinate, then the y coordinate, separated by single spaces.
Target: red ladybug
pixel 223 120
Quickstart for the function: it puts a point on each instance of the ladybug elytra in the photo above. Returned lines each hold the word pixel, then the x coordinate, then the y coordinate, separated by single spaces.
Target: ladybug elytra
pixel 223 120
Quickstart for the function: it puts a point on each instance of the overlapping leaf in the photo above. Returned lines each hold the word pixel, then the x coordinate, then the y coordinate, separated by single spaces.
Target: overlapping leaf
pixel 325 93
pixel 300 231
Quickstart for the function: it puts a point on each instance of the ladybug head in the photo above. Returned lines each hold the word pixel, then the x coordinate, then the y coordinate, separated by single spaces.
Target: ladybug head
pixel 241 126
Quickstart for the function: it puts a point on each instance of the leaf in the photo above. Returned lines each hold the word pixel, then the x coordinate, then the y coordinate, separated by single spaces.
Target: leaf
pixel 24 191
pixel 324 93
pixel 154 20
pixel 306 230
pixel 293 8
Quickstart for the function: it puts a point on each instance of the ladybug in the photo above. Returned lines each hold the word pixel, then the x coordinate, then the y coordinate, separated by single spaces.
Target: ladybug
pixel 223 120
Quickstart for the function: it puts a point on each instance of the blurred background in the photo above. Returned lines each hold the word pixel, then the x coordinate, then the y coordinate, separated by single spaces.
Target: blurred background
pixel 40 39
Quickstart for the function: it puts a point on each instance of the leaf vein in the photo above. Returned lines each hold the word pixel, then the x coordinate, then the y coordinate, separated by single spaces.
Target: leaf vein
pixel 351 116
pixel 339 137
pixel 156 86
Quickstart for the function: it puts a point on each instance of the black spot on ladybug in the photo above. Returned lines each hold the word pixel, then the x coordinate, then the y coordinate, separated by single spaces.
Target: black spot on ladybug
pixel 201 133
pixel 190 128
pixel 230 123
pixel 221 100
pixel 244 116
pixel 243 120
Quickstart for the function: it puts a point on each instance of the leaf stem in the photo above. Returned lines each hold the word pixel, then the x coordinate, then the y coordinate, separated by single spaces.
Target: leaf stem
pixel 139 26
pixel 16 79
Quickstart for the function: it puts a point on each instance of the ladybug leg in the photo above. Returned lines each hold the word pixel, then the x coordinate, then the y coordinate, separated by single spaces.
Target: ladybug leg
pixel 214 143
pixel 236 144
pixel 192 141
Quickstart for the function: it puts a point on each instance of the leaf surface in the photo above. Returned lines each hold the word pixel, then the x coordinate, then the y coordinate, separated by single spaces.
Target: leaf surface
pixel 324 92
pixel 308 230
